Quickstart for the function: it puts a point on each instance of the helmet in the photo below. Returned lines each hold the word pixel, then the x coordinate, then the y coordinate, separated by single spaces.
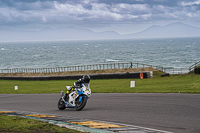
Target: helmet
pixel 86 79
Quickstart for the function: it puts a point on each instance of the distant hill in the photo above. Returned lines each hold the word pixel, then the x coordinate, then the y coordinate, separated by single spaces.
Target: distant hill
pixel 67 33
pixel 72 33
pixel 171 30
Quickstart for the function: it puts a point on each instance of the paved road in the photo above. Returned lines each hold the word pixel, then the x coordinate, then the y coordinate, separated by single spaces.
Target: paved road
pixel 178 113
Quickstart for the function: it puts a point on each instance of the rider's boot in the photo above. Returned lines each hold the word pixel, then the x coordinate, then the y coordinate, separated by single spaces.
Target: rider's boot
pixel 65 96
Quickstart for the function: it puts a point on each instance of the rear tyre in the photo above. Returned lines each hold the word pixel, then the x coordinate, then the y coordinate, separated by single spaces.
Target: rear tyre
pixel 81 105
pixel 61 104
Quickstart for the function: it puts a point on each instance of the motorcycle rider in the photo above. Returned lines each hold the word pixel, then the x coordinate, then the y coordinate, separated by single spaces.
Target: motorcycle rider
pixel 84 80
pixel 78 84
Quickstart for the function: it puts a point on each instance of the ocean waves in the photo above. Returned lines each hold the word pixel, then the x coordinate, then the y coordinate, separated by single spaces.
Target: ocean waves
pixel 172 52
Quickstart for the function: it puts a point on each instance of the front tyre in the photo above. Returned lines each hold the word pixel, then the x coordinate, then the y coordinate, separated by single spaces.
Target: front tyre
pixel 81 105
pixel 61 104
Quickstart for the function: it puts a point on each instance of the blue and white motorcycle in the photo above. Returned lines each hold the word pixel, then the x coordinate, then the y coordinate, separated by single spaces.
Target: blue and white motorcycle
pixel 74 97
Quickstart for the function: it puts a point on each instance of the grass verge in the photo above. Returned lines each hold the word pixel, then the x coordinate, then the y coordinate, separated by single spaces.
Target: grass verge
pixel 185 83
pixel 14 124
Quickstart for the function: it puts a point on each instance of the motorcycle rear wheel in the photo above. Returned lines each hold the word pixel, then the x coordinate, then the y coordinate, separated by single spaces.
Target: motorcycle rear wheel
pixel 61 104
pixel 81 105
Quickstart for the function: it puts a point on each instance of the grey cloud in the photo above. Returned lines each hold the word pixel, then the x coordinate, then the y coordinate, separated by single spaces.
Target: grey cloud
pixel 88 11
pixel 34 6
pixel 131 8
pixel 190 3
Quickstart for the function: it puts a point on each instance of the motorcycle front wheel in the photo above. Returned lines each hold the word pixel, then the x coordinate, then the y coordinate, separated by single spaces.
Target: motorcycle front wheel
pixel 81 105
pixel 61 104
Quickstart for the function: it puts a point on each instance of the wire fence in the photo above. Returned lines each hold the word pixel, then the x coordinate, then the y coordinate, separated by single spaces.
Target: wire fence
pixel 171 70
pixel 80 68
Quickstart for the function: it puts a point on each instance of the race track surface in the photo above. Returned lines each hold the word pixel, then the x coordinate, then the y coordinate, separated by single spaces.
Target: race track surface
pixel 178 113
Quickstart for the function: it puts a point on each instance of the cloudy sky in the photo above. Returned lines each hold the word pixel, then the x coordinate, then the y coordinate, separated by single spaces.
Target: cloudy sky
pixel 122 16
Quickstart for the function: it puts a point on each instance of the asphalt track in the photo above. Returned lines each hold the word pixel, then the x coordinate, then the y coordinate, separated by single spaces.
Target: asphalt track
pixel 178 113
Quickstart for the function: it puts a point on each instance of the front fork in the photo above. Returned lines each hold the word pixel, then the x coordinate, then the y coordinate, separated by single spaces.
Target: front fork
pixel 80 94
pixel 80 98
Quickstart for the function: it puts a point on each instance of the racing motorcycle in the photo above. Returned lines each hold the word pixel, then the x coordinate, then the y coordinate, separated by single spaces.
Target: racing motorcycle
pixel 74 97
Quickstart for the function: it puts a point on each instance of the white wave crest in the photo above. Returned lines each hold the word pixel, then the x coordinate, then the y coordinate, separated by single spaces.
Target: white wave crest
pixel 111 60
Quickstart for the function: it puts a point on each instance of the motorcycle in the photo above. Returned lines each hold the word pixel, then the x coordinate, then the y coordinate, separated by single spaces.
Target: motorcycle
pixel 75 97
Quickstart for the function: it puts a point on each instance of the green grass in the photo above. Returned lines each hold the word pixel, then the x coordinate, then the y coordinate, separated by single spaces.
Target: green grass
pixel 26 87
pixel 14 124
pixel 173 84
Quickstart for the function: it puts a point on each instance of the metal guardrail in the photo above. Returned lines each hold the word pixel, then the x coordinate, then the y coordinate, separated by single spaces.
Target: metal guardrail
pixel 174 70
pixel 80 68
pixel 191 68
pixel 171 70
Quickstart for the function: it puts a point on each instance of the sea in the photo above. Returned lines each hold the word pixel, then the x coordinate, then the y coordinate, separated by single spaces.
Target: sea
pixel 163 52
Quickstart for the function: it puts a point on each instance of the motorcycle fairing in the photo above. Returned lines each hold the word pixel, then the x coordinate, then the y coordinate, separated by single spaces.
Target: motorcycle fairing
pixel 68 105
pixel 78 92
